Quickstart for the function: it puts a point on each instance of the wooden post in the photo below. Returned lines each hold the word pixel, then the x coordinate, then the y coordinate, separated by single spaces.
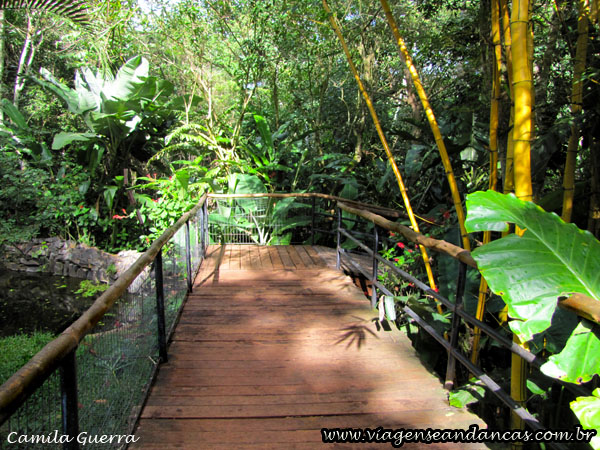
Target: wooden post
pixel 338 247
pixel 375 267
pixel 460 292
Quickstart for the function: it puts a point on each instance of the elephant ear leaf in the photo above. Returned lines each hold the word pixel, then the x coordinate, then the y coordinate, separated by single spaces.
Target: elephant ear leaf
pixel 530 271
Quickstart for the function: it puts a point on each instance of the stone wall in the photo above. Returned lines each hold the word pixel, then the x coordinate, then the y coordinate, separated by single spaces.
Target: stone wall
pixel 68 258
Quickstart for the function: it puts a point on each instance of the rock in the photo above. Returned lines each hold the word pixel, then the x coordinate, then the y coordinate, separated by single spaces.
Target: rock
pixel 69 258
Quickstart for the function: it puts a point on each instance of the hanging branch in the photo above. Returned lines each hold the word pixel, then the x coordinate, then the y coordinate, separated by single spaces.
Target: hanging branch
pixel 384 142
pixel 432 122
pixel 576 108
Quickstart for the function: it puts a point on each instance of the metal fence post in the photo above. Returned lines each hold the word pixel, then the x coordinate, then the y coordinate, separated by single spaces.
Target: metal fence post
pixel 312 230
pixel 375 267
pixel 338 247
pixel 205 228
pixel 200 232
pixel 188 256
pixel 69 403
pixel 160 308
pixel 460 291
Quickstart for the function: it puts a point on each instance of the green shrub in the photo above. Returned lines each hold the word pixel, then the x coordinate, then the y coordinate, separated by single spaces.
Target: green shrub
pixel 17 350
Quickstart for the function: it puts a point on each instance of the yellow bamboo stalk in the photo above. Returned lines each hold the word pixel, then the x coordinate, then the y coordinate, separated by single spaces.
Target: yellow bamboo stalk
pixel 523 95
pixel 432 123
pixel 522 134
pixel 384 142
pixel 576 107
pixel 494 116
pixel 509 178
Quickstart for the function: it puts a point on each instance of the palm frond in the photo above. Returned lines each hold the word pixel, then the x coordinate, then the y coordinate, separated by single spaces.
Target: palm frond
pixel 76 10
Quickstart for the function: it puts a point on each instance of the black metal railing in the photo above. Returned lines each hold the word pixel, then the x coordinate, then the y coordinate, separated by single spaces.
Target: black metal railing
pixel 91 381
pixel 450 342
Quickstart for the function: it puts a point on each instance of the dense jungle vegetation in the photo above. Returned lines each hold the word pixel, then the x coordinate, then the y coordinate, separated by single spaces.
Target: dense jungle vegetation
pixel 110 129
pixel 263 88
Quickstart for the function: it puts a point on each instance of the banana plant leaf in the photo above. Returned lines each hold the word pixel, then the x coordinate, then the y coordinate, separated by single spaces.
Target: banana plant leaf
pixel 579 361
pixel 531 271
pixel 587 410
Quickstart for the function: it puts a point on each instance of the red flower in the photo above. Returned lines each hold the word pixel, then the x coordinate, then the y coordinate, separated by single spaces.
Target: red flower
pixel 123 209
pixel 437 289
pixel 409 250
pixel 154 200
pixel 400 244
pixel 392 234
pixel 118 217
pixel 396 259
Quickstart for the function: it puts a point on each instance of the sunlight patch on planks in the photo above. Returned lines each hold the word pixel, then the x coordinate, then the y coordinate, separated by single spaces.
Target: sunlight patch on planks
pixel 272 346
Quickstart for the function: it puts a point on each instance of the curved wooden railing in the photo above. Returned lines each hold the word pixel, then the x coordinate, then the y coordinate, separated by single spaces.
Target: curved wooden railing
pixel 26 380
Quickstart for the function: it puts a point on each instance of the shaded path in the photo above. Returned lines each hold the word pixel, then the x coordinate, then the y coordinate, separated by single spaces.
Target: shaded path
pixel 272 346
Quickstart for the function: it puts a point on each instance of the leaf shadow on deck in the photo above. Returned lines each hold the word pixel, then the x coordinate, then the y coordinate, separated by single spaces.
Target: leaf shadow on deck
pixel 267 354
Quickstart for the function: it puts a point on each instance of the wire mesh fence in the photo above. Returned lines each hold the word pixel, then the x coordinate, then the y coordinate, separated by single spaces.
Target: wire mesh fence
pixel 262 221
pixel 115 361
pixel 272 221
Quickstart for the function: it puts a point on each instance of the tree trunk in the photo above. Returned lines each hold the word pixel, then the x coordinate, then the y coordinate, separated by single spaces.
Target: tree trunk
pixel 576 108
pixel 594 213
pixel 30 47
pixel 2 40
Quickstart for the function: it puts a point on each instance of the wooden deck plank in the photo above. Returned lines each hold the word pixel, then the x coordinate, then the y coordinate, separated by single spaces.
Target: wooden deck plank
pixel 306 259
pixel 275 258
pixel 295 257
pixel 270 351
pixel 317 260
pixel 285 257
pixel 265 258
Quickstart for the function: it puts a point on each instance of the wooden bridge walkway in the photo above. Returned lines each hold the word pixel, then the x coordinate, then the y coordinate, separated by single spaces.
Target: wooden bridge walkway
pixel 274 345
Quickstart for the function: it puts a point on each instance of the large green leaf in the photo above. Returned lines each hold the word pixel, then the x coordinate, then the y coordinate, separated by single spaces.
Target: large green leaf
pixel 531 271
pixel 579 361
pixel 587 410
pixel 14 114
pixel 265 134
pixel 63 139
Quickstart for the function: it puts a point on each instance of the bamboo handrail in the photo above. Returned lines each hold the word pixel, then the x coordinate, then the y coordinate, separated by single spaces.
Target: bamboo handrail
pixel 452 250
pixel 23 382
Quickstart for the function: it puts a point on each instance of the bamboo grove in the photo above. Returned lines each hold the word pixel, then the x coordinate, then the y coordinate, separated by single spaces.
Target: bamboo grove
pixel 513 49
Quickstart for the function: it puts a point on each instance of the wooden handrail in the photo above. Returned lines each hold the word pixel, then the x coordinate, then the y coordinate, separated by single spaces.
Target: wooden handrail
pixel 24 382
pixel 452 250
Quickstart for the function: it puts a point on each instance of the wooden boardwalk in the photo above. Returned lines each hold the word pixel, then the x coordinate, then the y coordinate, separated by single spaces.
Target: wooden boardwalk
pixel 274 345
